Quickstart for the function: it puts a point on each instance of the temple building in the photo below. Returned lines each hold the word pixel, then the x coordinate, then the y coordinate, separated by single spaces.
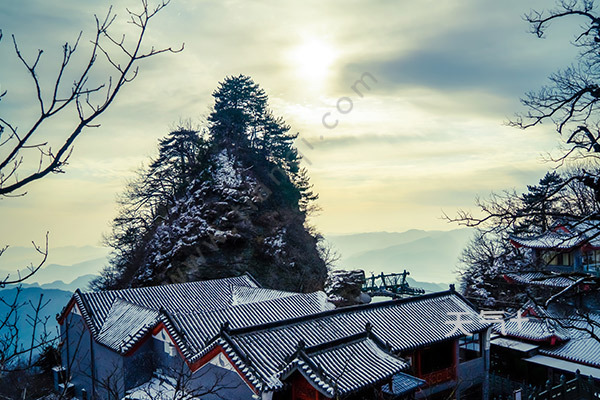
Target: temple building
pixel 567 247
pixel 230 338
pixel 545 343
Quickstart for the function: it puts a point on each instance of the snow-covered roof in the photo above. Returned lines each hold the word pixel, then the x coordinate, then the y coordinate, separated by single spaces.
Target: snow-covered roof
pixel 200 327
pixel 566 337
pixel 402 325
pixel 564 365
pixel 402 384
pixel 119 319
pixel 535 329
pixel 179 297
pixel 342 349
pixel 125 324
pixel 543 279
pixel 550 240
pixel 246 295
pixel 514 344
pixel 536 324
pixel 332 367
pixel 157 389
pixel 563 236
pixel 582 347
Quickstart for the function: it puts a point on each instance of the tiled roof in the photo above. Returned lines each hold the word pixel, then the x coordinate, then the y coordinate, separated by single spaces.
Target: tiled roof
pixel 195 310
pixel 582 347
pixel 588 229
pixel 575 341
pixel 344 367
pixel 535 329
pixel 158 388
pixel 198 328
pixel 260 329
pixel 542 279
pixel 180 297
pixel 578 233
pixel 536 324
pixel 245 295
pixel 549 240
pixel 402 384
pixel 401 324
pixel 125 324
pixel 404 323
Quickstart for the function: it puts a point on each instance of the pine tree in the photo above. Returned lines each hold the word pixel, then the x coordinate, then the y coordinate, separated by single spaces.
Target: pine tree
pixel 242 123
pixel 234 201
pixel 541 203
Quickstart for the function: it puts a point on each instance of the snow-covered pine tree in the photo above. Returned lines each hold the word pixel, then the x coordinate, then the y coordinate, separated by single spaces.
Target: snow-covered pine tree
pixel 235 202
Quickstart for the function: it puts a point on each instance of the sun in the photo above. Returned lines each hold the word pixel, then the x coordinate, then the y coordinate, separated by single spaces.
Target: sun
pixel 313 58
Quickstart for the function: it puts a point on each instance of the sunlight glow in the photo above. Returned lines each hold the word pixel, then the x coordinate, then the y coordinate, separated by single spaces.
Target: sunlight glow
pixel 313 58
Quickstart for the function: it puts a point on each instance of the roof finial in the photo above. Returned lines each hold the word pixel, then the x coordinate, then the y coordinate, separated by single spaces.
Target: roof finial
pixel 368 327
pixel 225 327
pixel 301 345
pixel 452 288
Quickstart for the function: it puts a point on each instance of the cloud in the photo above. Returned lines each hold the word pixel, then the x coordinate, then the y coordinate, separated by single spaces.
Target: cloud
pixel 428 132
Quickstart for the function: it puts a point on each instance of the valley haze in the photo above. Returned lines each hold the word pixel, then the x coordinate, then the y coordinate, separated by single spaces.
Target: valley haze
pixel 429 256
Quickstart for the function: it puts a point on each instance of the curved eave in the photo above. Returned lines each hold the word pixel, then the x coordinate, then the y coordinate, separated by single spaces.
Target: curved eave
pixel 77 301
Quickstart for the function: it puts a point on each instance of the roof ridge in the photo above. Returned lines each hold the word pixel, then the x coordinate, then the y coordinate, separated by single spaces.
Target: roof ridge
pixel 336 343
pixel 366 335
pixel 238 306
pixel 122 300
pixel 343 310
pixel 249 276
pixel 174 284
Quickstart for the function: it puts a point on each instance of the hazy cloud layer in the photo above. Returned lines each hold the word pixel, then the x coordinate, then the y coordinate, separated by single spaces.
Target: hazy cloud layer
pixel 427 136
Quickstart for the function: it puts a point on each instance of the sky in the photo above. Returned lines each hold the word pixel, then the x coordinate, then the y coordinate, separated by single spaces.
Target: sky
pixel 426 137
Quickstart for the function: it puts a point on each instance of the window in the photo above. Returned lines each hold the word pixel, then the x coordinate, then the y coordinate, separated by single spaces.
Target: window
pixel 591 260
pixel 551 257
pixel 469 347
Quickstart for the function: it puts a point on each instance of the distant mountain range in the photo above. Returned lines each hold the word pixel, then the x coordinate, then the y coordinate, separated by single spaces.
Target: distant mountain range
pixel 64 265
pixel 18 257
pixel 66 269
pixel 81 283
pixel 429 256
pixel 54 301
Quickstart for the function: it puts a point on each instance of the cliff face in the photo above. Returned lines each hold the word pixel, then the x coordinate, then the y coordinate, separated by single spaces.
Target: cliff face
pixel 220 201
pixel 232 223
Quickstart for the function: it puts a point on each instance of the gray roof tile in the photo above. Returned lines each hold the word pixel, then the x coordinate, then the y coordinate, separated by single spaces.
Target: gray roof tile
pixel 403 324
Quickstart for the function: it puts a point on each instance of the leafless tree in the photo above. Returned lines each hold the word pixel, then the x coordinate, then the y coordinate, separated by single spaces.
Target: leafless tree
pixel 30 153
pixel 88 99
pixel 185 385
pixel 177 382
pixel 12 345
pixel 572 98
pixel 57 99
